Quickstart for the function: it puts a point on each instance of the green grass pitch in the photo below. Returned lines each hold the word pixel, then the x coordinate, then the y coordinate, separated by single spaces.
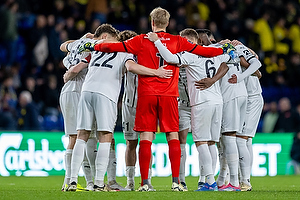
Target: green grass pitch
pixel 31 188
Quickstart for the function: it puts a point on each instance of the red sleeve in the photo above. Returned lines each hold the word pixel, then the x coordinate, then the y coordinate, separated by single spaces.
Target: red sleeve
pixel 185 45
pixel 110 47
pixel 207 51
pixel 132 45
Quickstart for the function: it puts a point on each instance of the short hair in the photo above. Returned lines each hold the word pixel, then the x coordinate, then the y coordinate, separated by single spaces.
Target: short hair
pixel 125 35
pixel 106 28
pixel 189 32
pixel 160 17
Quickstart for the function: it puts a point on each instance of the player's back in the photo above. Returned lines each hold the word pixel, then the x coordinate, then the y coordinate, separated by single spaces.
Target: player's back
pixel 148 55
pixel 105 72
pixel 201 68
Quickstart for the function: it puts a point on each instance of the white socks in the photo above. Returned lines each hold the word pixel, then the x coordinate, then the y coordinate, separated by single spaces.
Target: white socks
pixel 232 158
pixel 87 170
pixel 244 159
pixel 68 158
pixel 214 156
pixel 91 152
pixel 102 163
pixel 130 171
pixel 205 163
pixel 182 163
pixel 77 158
pixel 250 149
pixel 112 165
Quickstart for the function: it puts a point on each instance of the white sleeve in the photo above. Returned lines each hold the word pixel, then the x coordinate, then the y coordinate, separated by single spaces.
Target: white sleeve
pixel 166 54
pixel 255 64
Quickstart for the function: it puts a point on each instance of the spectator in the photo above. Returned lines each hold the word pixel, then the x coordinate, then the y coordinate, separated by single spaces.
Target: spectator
pixel 288 119
pixel 96 9
pixel 263 29
pixel 270 118
pixel 8 31
pixel 280 33
pixel 295 153
pixel 294 35
pixel 7 121
pixel 51 96
pixel 27 113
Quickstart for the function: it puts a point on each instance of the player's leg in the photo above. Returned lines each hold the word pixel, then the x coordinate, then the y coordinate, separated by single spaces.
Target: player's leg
pixel 131 137
pixel 214 154
pixel 106 116
pixel 112 170
pixel 230 126
pixel 201 121
pixel 77 157
pixel 184 126
pixel 67 160
pixel 69 103
pixel 91 152
pixel 182 139
pixel 253 113
pixel 130 159
pixel 146 124
pixel 145 155
pixel 244 159
pixel 169 123
pixel 102 158
pixel 205 163
pixel 221 180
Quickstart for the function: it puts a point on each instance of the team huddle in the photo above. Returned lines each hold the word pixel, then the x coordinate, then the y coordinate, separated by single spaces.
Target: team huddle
pixel 181 83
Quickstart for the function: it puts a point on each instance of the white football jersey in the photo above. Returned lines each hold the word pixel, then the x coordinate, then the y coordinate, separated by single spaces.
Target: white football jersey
pixel 182 86
pixel 199 68
pixel 229 90
pixel 73 58
pixel 130 89
pixel 252 82
pixel 105 72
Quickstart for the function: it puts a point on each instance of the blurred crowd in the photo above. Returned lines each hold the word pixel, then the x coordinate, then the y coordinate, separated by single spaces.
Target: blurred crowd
pixel 31 32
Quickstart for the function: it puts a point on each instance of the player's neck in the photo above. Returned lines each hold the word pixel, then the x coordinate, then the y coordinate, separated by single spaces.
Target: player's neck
pixel 155 29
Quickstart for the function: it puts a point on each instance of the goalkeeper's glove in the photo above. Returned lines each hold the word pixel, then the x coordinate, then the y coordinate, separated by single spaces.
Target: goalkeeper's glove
pixel 227 47
pixel 86 47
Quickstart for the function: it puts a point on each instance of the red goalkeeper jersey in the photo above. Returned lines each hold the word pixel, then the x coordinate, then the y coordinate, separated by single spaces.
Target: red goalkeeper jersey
pixel 148 55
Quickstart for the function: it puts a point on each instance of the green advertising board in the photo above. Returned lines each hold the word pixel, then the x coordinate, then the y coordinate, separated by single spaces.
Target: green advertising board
pixel 42 153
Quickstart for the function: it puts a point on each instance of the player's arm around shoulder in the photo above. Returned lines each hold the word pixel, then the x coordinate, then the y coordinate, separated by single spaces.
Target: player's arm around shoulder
pixel 142 70
pixel 74 70
pixel 63 46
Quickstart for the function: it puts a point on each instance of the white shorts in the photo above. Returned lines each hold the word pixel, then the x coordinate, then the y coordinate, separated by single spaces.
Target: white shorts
pixel 69 103
pixel 94 106
pixel 184 117
pixel 254 108
pixel 206 122
pixel 234 113
pixel 128 117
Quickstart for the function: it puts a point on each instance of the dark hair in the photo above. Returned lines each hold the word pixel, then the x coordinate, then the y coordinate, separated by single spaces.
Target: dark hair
pixel 189 32
pixel 206 31
pixel 125 35
pixel 106 28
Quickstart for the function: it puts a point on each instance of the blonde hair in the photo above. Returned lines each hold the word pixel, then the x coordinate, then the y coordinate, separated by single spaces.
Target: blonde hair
pixel 160 17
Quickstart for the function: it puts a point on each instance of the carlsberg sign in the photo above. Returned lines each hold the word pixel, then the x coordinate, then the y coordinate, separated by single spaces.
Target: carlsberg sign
pixel 42 154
